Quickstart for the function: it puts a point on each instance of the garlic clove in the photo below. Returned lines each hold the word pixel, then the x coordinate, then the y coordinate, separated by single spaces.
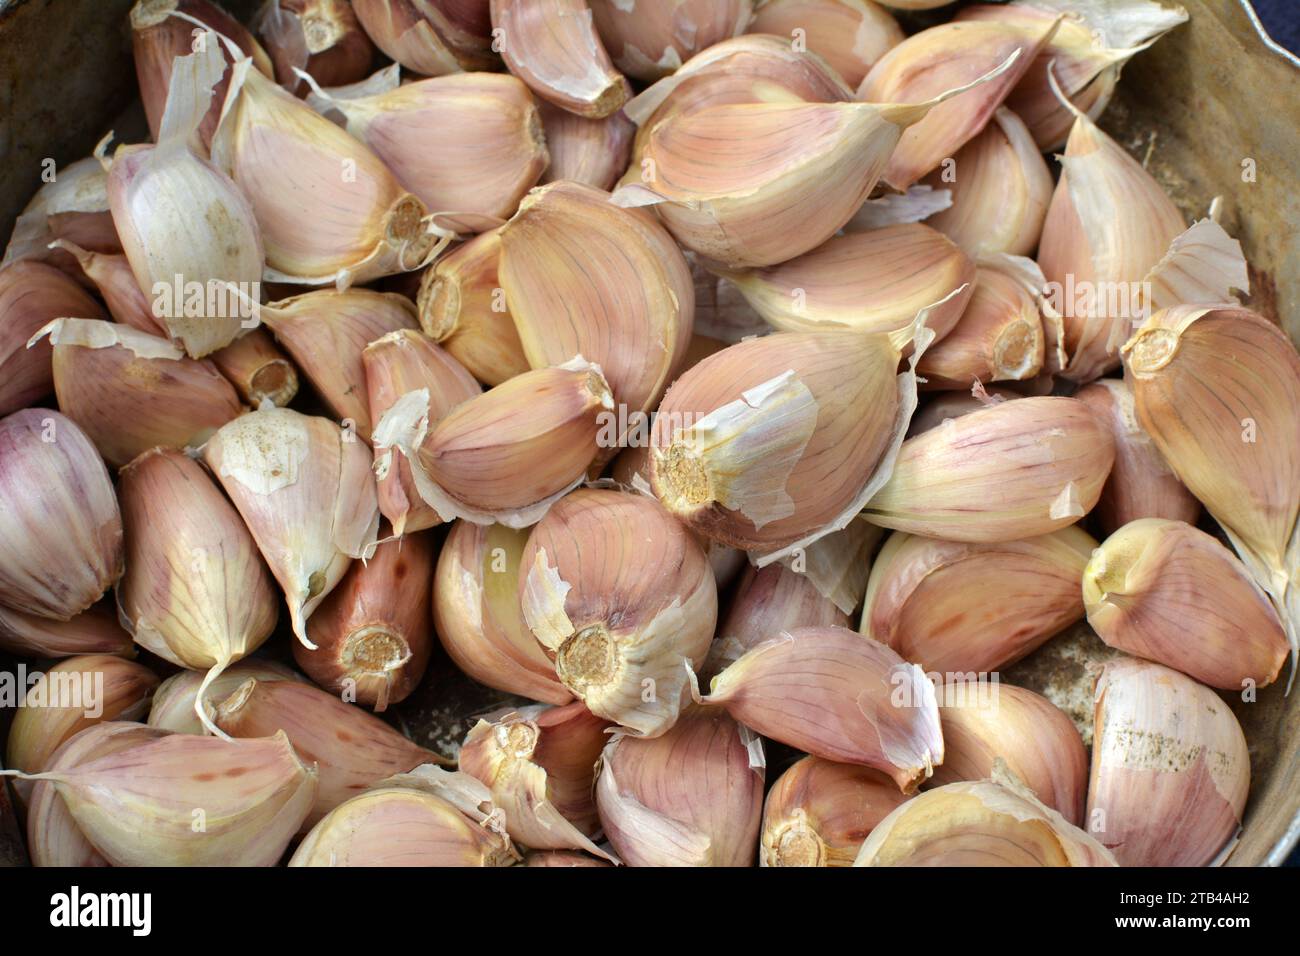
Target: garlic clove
pixel 552 46
pixel 1059 449
pixel 873 281
pixel 112 276
pixel 1000 187
pixel 1164 591
pixel 260 372
pixel 33 294
pixel 321 37
pixel 1141 484
pixel 650 40
pixel 1038 743
pixel 1170 768
pixel 850 34
pixel 477 614
pixel 326 333
pixel 304 489
pixel 594 152
pixel 94 631
pixel 430 37
pixel 131 391
pixel 690 797
pixel 73 207
pixel 937 408
pixel 174 701
pixel 840 696
pixel 818 813
pixel 562 858
pixel 925 597
pixel 60 528
pixel 623 599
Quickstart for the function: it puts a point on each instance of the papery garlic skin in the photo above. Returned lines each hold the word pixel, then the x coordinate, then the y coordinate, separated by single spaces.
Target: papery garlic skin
pixel 112 276
pixel 60 528
pixel 623 599
pixel 593 152
pixel 74 207
pixel 173 705
pixel 690 797
pixel 430 37
pixel 818 813
pixel 647 40
pixel 1170 767
pixel 840 696
pixel 93 631
pixel 851 34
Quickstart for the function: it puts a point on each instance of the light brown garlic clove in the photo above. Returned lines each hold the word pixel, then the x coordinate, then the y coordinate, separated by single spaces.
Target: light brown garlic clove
pixel 93 631
pixel 463 308
pixel 850 34
pixel 926 597
pixel 1170 768
pixel 562 858
pixel 304 489
pixel 260 372
pixel 320 37
pixel 840 696
pixel 1141 484
pixel 540 764
pixel 1058 448
pixel 60 528
pixel 430 37
pixel 1164 591
pixel 73 207
pixel 623 598
pixel 650 40
pixel 988 823
pixel 984 723
pixel 477 614
pixel 818 813
pixel 131 391
pixel 174 701
pixel 1000 187
pixel 691 797
pixel 470 143
pixel 33 294
pixel 873 281
pixel 594 152
pixel 374 632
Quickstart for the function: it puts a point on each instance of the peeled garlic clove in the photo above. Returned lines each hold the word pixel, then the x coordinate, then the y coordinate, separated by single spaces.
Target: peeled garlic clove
pixel 952 481
pixel 650 40
pixel 73 207
pixel 195 592
pixel 623 598
pixel 478 617
pixel 304 489
pixel 562 858
pixel 873 281
pixel 1141 484
pixel 463 308
pixel 53 837
pixel 1170 767
pixel 935 60
pixel 394 826
pixel 584 277
pixel 131 391
pixel 254 364
pixel 111 273
pixel 175 699
pixel 352 750
pixel 818 813
pixel 466 143
pixel 60 528
pixel 540 764
pixel 998 337
pixel 185 800
pixel 320 37
pixel 93 631
pixel 690 797
pixel 987 823
pixel 840 696
pixel 1000 187
pixel 395 365
pixel 851 34
pixel 430 37
pixel 768 601
pixel 924 597
pixel 552 46
pixel 33 294
pixel 1167 592
pixel 594 152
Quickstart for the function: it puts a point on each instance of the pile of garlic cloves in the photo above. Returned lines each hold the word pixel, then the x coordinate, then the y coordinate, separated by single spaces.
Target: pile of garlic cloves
pixel 733 389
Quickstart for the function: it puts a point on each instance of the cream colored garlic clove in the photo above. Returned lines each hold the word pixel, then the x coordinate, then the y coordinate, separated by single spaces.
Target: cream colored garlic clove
pixel 94 631
pixel 690 797
pixel 60 528
pixel 650 40
pixel 430 37
pixel 1170 768
pixel 593 152
pixel 623 599
pixel 260 372
pixel 320 37
pixel 851 34
pixel 840 696
pixel 175 700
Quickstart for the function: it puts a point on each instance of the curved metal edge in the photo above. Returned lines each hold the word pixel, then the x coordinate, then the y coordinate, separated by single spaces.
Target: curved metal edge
pixel 1277 48
pixel 1283 848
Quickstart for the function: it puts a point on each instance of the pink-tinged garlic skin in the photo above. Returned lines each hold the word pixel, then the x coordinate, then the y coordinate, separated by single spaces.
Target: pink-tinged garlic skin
pixel 818 813
pixel 851 34
pixel 1141 484
pixel 1170 767
pixel 111 273
pixel 431 37
pixel 94 631
pixel 690 797
pixel 563 858
pixel 60 528
pixel 173 703
pixel 594 152
pixel 1038 742
pixel 33 294
pixel 935 409
pixel 73 207
pixel 648 39
pixel 321 37
pixel 840 696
